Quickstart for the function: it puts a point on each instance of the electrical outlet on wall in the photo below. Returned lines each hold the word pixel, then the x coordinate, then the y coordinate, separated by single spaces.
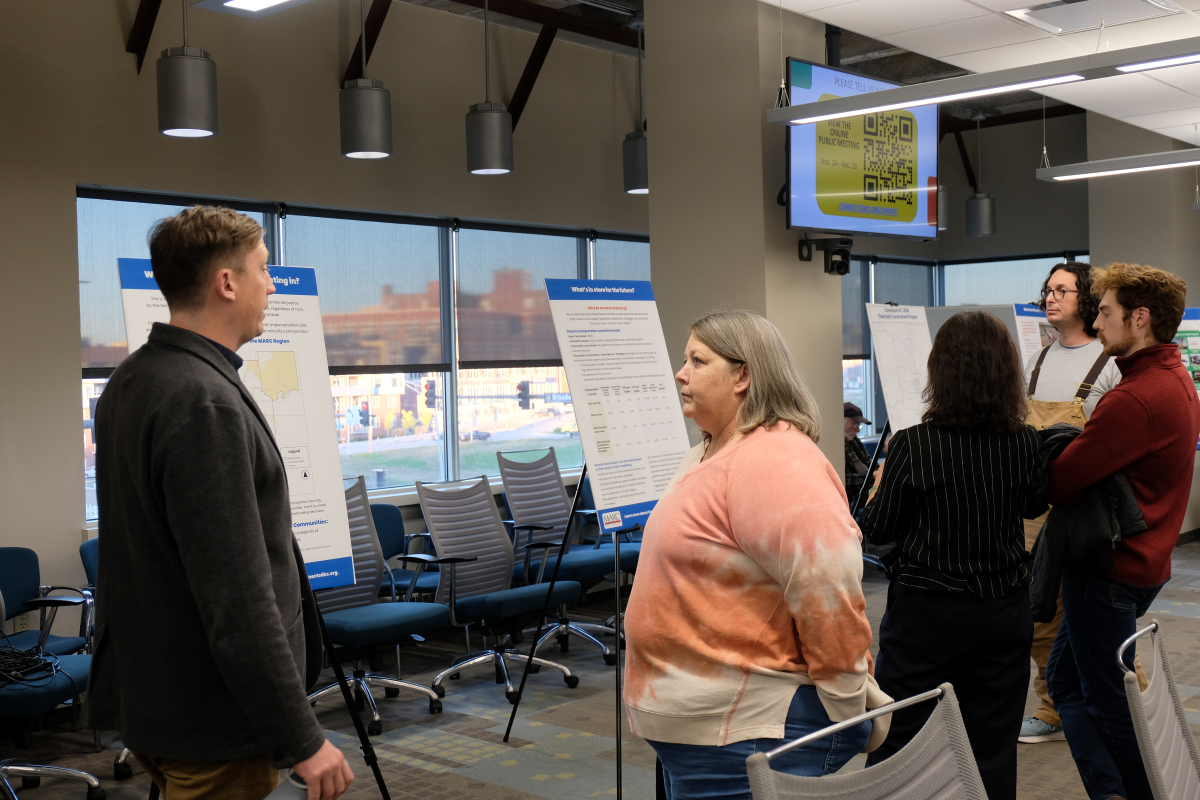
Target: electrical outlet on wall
pixel 22 622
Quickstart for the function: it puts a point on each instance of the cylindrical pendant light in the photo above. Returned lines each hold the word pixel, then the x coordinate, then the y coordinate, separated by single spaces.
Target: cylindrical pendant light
pixel 187 90
pixel 943 208
pixel 981 208
pixel 489 125
pixel 634 148
pixel 365 109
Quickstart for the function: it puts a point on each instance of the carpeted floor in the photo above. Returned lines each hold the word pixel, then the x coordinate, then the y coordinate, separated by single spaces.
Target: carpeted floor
pixel 563 744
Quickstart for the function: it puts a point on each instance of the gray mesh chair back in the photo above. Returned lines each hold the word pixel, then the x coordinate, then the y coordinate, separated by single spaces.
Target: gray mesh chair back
pixel 464 521
pixel 937 763
pixel 536 496
pixel 1163 732
pixel 369 566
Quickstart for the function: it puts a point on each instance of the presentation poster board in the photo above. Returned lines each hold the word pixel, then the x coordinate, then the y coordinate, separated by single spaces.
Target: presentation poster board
pixel 1188 339
pixel 1033 332
pixel 902 342
pixel 623 387
pixel 287 373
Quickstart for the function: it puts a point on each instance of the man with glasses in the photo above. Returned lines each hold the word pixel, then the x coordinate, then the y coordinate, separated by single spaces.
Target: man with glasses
pixel 857 460
pixel 1066 380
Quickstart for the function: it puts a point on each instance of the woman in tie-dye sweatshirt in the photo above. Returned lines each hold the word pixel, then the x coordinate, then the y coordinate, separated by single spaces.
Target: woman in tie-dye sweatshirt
pixel 747 622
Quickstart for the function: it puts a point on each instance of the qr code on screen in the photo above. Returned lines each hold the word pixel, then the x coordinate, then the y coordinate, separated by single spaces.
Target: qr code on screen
pixel 889 158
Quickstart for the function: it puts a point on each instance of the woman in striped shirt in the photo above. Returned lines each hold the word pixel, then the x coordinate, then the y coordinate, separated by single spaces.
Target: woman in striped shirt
pixel 952 498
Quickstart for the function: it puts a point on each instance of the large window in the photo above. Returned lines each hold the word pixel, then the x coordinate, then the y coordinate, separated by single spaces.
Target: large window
pixel 393 329
pixel 994 283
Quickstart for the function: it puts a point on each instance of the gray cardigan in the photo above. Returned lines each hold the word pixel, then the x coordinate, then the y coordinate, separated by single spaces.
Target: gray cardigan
pixel 206 634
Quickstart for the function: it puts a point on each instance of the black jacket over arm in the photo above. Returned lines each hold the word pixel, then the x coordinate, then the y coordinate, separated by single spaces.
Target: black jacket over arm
pixel 201 650
pixel 953 500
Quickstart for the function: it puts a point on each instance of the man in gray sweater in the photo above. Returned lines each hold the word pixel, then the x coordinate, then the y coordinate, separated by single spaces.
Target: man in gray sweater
pixel 206 630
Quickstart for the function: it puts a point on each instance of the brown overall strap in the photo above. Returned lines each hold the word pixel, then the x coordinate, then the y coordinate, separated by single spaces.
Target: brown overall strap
pixel 1033 376
pixel 1085 388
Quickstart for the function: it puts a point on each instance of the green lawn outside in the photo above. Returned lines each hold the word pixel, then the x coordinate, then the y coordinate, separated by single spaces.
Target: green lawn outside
pixel 477 458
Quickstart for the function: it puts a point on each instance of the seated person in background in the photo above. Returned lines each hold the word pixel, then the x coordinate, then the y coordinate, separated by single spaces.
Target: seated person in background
pixel 857 460
pixel 747 623
pixel 1147 426
pixel 952 498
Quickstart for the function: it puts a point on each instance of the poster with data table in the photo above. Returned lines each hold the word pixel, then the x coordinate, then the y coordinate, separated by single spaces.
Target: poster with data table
pixel 286 372
pixel 623 389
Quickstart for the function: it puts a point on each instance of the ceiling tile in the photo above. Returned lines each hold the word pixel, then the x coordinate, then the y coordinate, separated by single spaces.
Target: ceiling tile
pixel 1134 34
pixel 1167 119
pixel 1021 54
pixel 1090 94
pixel 1137 106
pixel 1185 77
pixel 1184 133
pixel 964 36
pixel 804 6
pixel 879 18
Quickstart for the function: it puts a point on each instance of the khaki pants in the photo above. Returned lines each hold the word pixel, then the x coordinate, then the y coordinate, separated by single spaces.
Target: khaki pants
pixel 1044 634
pixel 245 779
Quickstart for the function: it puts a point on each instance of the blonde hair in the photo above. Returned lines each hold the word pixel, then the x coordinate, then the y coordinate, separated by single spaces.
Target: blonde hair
pixel 777 391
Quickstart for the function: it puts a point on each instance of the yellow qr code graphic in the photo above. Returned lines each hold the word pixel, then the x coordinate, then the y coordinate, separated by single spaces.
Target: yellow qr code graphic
pixel 867 166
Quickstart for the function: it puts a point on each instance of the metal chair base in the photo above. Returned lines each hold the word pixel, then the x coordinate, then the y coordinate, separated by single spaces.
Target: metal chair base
pixel 17 768
pixel 363 681
pixel 586 630
pixel 496 656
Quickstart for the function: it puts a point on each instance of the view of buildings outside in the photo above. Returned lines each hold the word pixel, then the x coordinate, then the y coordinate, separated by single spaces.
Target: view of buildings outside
pixel 856 385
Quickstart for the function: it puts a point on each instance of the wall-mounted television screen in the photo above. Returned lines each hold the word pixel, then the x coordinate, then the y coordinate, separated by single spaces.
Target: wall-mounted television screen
pixel 874 175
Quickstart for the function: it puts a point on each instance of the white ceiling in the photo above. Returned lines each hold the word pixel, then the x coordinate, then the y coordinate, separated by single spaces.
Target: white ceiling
pixel 976 35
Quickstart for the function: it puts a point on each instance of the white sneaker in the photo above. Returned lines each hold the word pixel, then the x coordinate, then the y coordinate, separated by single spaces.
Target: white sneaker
pixel 1034 731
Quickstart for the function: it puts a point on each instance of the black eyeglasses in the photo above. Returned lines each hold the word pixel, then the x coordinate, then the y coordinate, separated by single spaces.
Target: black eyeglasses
pixel 1058 294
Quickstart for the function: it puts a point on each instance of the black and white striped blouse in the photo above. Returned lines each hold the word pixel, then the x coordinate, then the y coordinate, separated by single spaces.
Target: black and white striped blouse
pixel 953 501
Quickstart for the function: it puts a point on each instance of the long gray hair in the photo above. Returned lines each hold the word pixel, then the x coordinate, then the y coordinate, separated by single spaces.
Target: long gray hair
pixel 777 391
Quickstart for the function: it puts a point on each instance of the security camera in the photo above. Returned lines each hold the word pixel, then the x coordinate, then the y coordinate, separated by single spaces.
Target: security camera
pixel 837 255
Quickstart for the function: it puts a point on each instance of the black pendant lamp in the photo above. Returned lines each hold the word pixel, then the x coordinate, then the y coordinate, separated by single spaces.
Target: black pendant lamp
pixel 634 148
pixel 981 208
pixel 187 90
pixel 365 109
pixel 489 125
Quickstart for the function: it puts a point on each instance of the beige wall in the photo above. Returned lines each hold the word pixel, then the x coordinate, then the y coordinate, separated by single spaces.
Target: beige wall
pixel 717 236
pixel 74 111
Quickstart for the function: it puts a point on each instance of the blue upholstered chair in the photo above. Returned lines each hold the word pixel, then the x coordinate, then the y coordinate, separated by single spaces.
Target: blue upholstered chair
pixel 21 703
pixel 540 505
pixel 20 585
pixel 465 524
pixel 393 541
pixel 360 623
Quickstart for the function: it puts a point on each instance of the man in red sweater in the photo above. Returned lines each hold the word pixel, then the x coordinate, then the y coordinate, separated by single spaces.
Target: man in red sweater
pixel 1148 426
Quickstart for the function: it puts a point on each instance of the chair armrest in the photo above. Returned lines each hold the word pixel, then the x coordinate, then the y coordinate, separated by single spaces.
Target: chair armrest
pixel 539 545
pixel 533 527
pixel 55 602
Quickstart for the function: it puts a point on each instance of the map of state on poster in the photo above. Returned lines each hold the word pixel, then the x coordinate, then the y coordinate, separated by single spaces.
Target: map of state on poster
pixel 902 344
pixel 273 380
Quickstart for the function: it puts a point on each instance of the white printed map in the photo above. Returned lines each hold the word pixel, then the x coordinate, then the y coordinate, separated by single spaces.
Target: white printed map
pixel 273 380
pixel 900 335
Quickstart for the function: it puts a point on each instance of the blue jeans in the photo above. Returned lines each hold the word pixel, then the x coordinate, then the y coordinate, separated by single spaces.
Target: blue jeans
pixel 1088 688
pixel 692 771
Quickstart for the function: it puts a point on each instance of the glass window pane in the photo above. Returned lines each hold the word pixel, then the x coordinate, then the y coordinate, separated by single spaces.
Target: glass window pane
pixel 503 312
pixel 994 283
pixel 379 288
pixel 856 386
pixel 387 431
pixel 90 394
pixel 855 340
pixel 904 284
pixel 622 261
pixel 490 416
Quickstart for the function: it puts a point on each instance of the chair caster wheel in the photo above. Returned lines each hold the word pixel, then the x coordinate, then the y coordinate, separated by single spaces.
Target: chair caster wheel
pixel 122 771
pixel 374 728
pixel 512 697
pixel 440 691
pixel 96 793
pixel 572 681
pixel 610 659
pixel 391 692
pixel 31 782
pixel 435 706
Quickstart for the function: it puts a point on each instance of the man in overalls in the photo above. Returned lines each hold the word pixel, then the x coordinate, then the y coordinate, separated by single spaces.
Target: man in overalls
pixel 1066 380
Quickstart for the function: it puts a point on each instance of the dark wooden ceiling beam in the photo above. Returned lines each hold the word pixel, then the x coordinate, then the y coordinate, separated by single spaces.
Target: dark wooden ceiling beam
pixel 951 124
pixel 541 15
pixel 533 68
pixel 375 17
pixel 143 26
pixel 966 161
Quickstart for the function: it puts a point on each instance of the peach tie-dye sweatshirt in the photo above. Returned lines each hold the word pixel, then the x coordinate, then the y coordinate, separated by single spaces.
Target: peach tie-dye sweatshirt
pixel 749 584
